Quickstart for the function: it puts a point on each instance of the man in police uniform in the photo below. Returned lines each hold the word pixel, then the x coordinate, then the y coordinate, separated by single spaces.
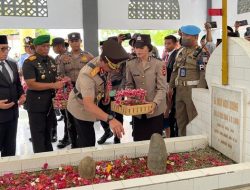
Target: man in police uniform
pixel 11 96
pixel 71 64
pixel 186 75
pixel 40 73
pixel 90 89
pixel 148 73
pixel 60 47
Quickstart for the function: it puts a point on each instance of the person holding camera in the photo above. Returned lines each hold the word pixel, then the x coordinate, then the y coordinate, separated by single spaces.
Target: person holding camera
pixel 186 75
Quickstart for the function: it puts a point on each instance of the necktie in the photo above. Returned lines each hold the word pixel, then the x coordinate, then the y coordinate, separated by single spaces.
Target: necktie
pixel 5 72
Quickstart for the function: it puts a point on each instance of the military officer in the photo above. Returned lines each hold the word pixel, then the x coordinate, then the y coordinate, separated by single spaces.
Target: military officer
pixel 90 88
pixel 149 73
pixel 71 64
pixel 40 73
pixel 187 71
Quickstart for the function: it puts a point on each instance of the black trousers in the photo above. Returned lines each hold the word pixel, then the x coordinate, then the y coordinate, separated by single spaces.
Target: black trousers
pixel 8 132
pixel 65 119
pixel 86 133
pixel 72 130
pixel 145 127
pixel 41 124
pixel 172 119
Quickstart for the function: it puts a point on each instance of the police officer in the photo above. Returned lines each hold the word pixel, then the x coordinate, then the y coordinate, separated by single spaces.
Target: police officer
pixel 11 96
pixel 149 73
pixel 71 64
pixel 40 74
pixel 91 87
pixel 60 47
pixel 186 75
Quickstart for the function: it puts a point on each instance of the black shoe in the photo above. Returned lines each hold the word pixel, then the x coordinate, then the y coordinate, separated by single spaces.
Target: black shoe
pixel 30 139
pixel 117 140
pixel 63 143
pixel 54 139
pixel 61 118
pixel 104 137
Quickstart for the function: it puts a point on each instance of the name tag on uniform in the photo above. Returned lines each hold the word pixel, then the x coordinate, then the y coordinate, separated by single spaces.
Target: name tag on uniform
pixel 183 72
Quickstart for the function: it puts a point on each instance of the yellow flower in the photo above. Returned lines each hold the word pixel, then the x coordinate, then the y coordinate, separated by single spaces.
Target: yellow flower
pixel 109 168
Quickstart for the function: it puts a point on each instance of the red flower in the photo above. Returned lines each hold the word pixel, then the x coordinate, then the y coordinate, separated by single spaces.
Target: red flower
pixel 45 166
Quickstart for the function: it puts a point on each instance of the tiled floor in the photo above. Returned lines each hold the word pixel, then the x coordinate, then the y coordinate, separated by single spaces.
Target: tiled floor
pixel 24 146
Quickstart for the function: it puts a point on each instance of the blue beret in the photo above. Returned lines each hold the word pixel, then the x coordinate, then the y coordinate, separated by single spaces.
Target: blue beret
pixel 190 30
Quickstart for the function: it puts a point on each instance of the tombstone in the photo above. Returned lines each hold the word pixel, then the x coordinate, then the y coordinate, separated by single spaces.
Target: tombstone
pixel 224 111
pixel 87 168
pixel 157 154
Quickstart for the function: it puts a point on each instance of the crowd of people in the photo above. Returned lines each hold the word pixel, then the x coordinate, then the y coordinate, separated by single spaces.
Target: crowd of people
pixel 168 81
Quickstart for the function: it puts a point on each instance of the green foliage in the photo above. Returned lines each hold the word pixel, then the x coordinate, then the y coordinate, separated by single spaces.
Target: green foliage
pixel 157 36
pixel 41 32
pixel 9 32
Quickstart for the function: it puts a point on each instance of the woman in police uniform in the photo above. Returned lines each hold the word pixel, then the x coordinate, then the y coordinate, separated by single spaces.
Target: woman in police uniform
pixel 90 89
pixel 147 72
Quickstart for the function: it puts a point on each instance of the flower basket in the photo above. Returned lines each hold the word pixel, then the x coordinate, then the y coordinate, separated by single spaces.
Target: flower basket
pixel 131 102
pixel 62 95
pixel 60 104
pixel 131 109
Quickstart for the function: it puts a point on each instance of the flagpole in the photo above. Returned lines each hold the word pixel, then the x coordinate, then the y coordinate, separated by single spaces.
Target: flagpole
pixel 224 44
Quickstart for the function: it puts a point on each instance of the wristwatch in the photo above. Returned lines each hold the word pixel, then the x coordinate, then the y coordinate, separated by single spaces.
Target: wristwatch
pixel 110 117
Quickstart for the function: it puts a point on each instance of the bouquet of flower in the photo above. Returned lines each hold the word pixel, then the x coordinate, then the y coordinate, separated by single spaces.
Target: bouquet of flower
pixel 62 95
pixel 130 97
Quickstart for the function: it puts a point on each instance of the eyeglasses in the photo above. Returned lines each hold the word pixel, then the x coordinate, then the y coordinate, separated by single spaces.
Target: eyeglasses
pixel 3 49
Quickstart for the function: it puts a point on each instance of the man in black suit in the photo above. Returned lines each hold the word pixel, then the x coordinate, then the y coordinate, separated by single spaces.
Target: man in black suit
pixel 11 96
pixel 169 56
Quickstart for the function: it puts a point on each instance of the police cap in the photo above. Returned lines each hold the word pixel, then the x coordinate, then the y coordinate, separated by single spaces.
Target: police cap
pixel 74 36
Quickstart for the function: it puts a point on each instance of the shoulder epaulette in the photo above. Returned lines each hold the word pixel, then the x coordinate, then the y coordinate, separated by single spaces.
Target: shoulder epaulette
pixel 32 58
pixel 95 71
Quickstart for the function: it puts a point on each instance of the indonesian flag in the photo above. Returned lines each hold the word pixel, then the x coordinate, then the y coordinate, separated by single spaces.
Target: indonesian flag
pixel 215 12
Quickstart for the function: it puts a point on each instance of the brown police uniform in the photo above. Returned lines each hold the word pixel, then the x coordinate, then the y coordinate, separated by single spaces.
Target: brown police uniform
pixel 91 82
pixel 153 80
pixel 186 75
pixel 71 69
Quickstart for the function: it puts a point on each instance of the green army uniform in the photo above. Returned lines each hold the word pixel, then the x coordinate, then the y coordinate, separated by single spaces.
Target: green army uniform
pixel 186 75
pixel 39 103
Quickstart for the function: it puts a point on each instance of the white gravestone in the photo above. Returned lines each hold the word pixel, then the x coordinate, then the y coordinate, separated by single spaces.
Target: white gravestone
pixel 227 122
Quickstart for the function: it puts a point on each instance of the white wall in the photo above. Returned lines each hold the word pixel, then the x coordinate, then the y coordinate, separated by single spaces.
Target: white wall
pixel 113 14
pixel 61 14
pixel 232 12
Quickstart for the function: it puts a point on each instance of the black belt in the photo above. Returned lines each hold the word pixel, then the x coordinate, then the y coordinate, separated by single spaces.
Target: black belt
pixel 77 93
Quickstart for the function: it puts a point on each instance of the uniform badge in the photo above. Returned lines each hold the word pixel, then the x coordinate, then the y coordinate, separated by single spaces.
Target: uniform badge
pixel 32 58
pixel 95 71
pixel 99 97
pixel 183 72
pixel 164 70
pixel 84 59
pixel 43 77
